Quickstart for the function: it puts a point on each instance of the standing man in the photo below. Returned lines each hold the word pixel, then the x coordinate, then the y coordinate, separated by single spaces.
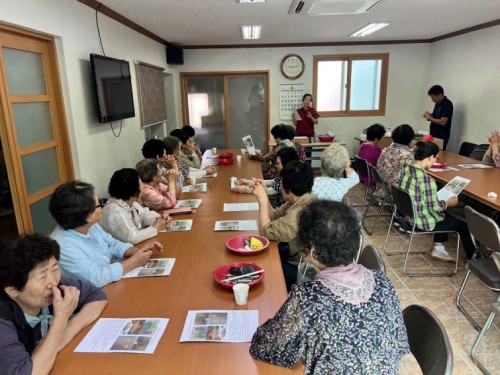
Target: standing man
pixel 441 115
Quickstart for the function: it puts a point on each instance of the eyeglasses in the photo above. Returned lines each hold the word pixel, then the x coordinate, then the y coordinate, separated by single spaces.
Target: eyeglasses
pixel 101 203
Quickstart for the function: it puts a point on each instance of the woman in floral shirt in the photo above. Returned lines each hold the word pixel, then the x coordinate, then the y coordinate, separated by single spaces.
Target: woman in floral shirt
pixel 348 320
pixel 396 157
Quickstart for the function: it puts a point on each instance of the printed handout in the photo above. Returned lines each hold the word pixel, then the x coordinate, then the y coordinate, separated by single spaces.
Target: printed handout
pixel 249 144
pixel 154 267
pixel 220 325
pixel 445 169
pixel 474 166
pixel 193 203
pixel 241 206
pixel 236 225
pixel 452 188
pixel 138 335
pixel 179 225
pixel 196 188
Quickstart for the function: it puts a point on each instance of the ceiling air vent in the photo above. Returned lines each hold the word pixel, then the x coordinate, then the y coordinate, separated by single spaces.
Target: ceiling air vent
pixel 330 7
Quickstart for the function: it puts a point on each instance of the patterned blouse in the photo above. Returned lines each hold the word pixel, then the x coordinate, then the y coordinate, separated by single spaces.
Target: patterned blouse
pixel 393 160
pixel 332 336
pixel 334 189
pixel 157 199
pixel 492 160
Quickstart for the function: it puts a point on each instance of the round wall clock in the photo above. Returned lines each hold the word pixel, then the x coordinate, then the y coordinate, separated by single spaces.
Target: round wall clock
pixel 292 66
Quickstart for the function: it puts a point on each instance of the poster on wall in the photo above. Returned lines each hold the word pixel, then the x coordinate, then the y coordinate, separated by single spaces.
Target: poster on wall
pixel 290 99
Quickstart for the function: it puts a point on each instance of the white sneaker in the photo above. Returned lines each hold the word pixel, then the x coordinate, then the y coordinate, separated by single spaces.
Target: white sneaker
pixel 442 255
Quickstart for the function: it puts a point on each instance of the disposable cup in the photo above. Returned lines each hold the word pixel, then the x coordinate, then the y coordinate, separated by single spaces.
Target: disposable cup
pixel 241 293
pixel 238 158
pixel 214 150
pixel 243 151
pixel 193 180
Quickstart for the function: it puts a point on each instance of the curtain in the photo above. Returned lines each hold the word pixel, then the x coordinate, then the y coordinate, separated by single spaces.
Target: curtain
pixel 151 90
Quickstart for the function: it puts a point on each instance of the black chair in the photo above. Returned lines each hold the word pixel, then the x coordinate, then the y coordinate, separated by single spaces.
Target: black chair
pixel 371 259
pixel 404 204
pixel 466 148
pixel 361 167
pixel 429 342
pixel 387 201
pixel 479 152
pixel 485 234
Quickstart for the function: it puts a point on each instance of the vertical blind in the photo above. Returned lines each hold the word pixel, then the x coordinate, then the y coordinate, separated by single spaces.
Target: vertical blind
pixel 151 91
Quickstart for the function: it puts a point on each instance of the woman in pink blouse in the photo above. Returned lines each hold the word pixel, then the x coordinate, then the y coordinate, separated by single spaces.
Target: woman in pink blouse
pixel 154 194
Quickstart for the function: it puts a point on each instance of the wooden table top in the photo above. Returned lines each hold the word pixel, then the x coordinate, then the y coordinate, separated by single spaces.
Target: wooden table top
pixel 190 287
pixel 482 182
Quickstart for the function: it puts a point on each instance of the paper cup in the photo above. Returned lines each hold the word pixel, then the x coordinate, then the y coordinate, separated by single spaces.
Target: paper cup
pixel 243 151
pixel 241 293
pixel 214 150
pixel 238 158
pixel 193 180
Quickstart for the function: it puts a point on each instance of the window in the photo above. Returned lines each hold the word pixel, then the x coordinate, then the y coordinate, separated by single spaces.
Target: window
pixel 350 85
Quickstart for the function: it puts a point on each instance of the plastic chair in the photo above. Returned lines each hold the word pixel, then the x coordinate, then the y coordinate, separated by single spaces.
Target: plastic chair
pixel 479 152
pixel 466 148
pixel 404 204
pixel 486 234
pixel 429 342
pixel 371 259
pixel 361 167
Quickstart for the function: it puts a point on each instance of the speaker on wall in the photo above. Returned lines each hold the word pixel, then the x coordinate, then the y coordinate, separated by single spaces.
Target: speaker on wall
pixel 175 55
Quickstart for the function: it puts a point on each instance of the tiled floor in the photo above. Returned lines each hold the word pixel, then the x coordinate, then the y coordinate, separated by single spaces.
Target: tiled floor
pixel 438 294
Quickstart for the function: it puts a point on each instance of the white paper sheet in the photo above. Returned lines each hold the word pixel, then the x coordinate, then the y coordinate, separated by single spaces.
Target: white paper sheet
pixel 241 206
pixel 197 188
pixel 452 188
pixel 220 325
pixel 179 225
pixel 153 268
pixel 193 203
pixel 236 225
pixel 445 169
pixel 248 142
pixel 474 166
pixel 137 335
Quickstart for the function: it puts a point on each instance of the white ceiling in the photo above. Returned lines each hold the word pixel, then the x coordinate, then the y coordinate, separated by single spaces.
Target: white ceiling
pixel 217 22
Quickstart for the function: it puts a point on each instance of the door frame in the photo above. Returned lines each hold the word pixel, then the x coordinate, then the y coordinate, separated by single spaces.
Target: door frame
pixel 12 152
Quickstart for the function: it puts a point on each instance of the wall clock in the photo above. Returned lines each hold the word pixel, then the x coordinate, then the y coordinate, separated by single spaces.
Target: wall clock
pixel 292 66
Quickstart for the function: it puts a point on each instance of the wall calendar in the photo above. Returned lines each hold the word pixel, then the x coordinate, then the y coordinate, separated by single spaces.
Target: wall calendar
pixel 290 99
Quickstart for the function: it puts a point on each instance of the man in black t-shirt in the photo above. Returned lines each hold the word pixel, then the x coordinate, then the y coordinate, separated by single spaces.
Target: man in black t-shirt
pixel 441 116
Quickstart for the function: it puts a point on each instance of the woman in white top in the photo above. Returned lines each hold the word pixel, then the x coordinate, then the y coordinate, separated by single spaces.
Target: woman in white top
pixel 123 216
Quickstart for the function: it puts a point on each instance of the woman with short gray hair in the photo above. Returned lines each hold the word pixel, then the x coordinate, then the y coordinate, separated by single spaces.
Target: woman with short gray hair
pixel 331 185
pixel 154 194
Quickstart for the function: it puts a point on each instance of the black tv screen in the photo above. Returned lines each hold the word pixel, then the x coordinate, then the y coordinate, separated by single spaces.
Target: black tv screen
pixel 113 88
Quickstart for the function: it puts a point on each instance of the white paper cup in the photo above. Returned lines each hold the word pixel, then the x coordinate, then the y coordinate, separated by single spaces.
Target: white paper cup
pixel 241 293
pixel 214 150
pixel 243 151
pixel 193 180
pixel 238 158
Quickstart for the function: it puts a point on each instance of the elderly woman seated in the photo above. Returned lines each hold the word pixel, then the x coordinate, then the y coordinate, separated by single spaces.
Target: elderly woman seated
pixel 123 217
pixel 492 155
pixel 156 149
pixel 154 194
pixel 89 253
pixel 189 156
pixel 331 184
pixel 40 309
pixel 348 320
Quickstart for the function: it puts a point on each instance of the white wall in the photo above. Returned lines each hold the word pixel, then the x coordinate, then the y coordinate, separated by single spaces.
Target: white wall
pixel 408 67
pixel 468 68
pixel 96 152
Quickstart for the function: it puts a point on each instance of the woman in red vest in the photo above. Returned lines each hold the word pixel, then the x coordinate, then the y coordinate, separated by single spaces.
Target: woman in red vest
pixel 308 117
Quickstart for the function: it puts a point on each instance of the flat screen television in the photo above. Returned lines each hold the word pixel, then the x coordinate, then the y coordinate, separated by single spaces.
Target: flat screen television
pixel 113 88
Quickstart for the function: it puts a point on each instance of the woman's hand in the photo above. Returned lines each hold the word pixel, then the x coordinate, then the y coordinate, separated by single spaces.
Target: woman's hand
pixel 452 201
pixel 160 223
pixel 170 161
pixel 141 256
pixel 65 301
pixel 242 189
pixel 260 191
pixel 209 170
pixel 244 182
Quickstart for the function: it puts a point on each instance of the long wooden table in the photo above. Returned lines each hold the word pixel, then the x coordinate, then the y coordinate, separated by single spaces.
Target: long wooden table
pixel 482 181
pixel 190 287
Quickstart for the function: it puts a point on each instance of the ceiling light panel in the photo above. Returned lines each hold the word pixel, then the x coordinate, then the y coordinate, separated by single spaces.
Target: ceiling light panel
pixel 251 31
pixel 370 29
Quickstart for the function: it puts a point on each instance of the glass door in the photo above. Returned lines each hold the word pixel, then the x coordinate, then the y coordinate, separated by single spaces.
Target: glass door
pixel 34 132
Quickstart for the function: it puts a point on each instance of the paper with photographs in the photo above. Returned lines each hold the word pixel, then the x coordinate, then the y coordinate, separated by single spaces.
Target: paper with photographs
pixel 452 188
pixel 220 325
pixel 154 267
pixel 196 188
pixel 138 335
pixel 475 166
pixel 179 225
pixel 249 144
pixel 193 203
pixel 235 225
pixel 254 206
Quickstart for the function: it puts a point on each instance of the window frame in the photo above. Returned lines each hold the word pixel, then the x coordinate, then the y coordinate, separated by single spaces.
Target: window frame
pixel 349 58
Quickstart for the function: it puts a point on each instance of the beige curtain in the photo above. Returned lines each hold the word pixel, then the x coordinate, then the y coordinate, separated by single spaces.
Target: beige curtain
pixel 151 90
